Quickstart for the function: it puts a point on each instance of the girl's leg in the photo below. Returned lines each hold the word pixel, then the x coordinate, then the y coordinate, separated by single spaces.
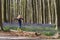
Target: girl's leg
pixel 19 24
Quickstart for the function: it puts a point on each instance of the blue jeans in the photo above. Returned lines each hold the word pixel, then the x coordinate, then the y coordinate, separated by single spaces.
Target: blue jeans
pixel 20 24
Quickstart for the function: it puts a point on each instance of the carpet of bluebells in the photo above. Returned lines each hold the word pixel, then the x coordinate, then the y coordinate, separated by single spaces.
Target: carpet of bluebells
pixel 41 28
pixel 37 27
pixel 14 24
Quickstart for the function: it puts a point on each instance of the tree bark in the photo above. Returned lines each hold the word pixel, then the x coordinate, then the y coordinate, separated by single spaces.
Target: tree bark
pixel 1 16
pixel 49 12
pixel 58 13
pixel 5 11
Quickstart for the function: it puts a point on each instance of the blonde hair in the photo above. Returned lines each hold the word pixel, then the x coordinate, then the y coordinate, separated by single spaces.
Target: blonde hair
pixel 19 16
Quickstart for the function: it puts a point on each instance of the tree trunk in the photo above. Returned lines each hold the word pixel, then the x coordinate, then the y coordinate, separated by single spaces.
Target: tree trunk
pixel 49 13
pixel 1 16
pixel 8 10
pixel 58 13
pixel 5 11
pixel 40 12
pixel 43 11
pixel 26 12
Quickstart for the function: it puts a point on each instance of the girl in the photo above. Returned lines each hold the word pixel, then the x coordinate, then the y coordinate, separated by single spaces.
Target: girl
pixel 19 18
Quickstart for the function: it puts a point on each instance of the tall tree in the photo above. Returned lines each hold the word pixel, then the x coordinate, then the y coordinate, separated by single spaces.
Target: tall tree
pixel 46 12
pixel 8 10
pixel 55 14
pixel 26 12
pixel 5 11
pixel 2 10
pixel 31 12
pixel 43 11
pixel 40 11
pixel 58 13
pixel 34 11
pixel 49 15
pixel 1 16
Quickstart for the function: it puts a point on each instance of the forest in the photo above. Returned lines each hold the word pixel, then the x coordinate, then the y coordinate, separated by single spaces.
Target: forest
pixel 33 12
pixel 37 11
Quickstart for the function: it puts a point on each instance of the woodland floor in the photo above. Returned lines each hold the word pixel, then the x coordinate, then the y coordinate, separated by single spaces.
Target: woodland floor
pixel 25 33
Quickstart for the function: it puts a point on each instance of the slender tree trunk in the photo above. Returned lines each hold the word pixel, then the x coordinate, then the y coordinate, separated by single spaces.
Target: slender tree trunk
pixel 31 13
pixel 26 12
pixel 2 10
pixel 44 11
pixel 40 12
pixel 49 15
pixel 5 11
pixel 34 11
pixel 9 11
pixel 58 13
pixel 1 16
pixel 35 14
pixel 52 11
pixel 14 11
pixel 55 14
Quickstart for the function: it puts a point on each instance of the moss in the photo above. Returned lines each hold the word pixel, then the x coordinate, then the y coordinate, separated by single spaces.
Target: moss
pixel 6 28
pixel 49 33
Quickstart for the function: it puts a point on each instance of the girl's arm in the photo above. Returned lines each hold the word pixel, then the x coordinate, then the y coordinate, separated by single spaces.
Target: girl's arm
pixel 22 18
